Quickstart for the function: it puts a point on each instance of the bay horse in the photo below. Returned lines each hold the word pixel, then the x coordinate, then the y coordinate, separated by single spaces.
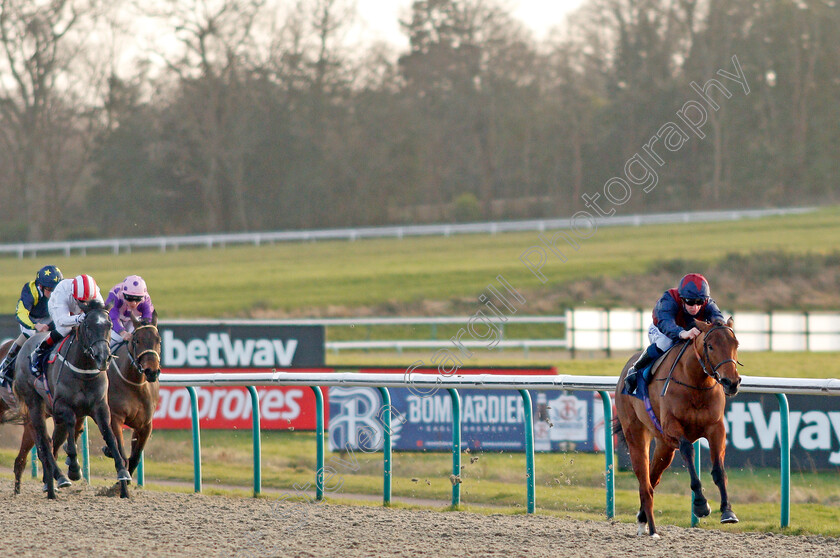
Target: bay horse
pixel 689 405
pixel 8 403
pixel 133 389
pixel 77 387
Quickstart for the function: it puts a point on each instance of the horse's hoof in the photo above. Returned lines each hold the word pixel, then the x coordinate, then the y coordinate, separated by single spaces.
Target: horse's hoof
pixel 655 536
pixel 122 475
pixel 45 488
pixel 75 473
pixel 17 488
pixel 702 510
pixel 640 529
pixel 728 517
pixel 124 489
pixel 107 452
pixel 63 482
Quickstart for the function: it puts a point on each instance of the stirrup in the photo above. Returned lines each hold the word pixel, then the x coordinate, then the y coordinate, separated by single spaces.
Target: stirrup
pixel 35 364
pixel 5 368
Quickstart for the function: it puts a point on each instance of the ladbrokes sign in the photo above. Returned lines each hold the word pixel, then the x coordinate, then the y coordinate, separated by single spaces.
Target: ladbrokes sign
pixel 224 408
pixel 241 346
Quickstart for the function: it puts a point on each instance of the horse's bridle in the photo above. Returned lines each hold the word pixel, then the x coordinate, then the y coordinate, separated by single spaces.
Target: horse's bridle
pixel 87 349
pixel 714 373
pixel 133 358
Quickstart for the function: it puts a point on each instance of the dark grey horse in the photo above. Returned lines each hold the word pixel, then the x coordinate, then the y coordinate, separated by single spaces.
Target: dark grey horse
pixel 78 386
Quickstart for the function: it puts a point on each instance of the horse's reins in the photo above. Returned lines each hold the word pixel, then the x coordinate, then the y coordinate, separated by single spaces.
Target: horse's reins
pixel 671 371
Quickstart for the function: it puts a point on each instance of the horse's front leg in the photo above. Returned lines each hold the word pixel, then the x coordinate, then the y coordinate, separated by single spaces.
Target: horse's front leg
pixel 102 416
pixel 65 422
pixel 138 442
pixel 717 448
pixel 117 428
pixel 701 505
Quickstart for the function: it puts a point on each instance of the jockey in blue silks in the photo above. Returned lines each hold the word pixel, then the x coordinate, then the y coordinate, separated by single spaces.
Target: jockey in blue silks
pixel 32 315
pixel 673 321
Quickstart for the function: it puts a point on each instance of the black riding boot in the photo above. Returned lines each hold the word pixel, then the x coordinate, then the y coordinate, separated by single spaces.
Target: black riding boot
pixel 7 368
pixel 36 364
pixel 632 378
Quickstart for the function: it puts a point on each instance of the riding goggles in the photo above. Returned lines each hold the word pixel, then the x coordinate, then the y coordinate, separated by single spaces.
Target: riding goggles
pixel 133 298
pixel 694 301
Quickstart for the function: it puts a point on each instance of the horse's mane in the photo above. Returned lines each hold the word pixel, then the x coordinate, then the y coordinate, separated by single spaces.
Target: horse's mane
pixel 152 321
pixel 94 305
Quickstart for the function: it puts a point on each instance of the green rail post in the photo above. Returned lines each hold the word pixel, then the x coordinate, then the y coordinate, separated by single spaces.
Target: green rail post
pixel 386 446
pixel 456 445
pixel 255 431
pixel 319 442
pixel 529 448
pixel 34 462
pixel 85 451
pixel 694 519
pixel 609 454
pixel 141 472
pixel 196 438
pixel 784 447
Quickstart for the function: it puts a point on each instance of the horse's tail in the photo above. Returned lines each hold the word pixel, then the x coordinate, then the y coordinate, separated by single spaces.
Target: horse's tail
pixel 13 415
pixel 617 430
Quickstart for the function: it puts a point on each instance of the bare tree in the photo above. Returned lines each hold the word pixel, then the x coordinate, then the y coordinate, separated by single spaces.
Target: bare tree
pixel 213 73
pixel 44 120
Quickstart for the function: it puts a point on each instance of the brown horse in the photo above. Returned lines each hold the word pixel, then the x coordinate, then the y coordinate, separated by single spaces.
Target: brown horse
pixel 133 390
pixel 691 407
pixel 7 398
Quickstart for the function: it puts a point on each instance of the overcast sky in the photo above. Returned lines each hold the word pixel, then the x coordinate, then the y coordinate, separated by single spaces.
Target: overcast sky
pixel 380 17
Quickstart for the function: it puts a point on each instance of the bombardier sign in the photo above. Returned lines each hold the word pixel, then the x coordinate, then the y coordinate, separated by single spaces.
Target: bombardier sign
pixel 227 346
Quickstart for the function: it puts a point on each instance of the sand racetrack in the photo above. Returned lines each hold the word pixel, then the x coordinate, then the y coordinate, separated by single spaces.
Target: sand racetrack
pixel 84 521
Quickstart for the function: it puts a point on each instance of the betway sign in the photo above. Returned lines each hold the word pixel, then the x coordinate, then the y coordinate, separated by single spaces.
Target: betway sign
pixel 227 346
pixel 754 427
pixel 753 430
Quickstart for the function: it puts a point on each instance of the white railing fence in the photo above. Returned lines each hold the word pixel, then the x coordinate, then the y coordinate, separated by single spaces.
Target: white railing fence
pixel 426 383
pixel 164 243
pixel 626 329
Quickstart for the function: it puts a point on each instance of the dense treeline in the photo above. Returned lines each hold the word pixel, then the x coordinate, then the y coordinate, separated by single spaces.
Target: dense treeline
pixel 253 119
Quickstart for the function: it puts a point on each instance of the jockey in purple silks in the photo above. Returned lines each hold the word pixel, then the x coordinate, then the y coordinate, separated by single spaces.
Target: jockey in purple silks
pixel 129 298
pixel 673 321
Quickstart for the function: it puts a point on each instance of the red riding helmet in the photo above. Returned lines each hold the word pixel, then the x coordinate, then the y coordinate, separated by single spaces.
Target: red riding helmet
pixel 84 288
pixel 694 286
